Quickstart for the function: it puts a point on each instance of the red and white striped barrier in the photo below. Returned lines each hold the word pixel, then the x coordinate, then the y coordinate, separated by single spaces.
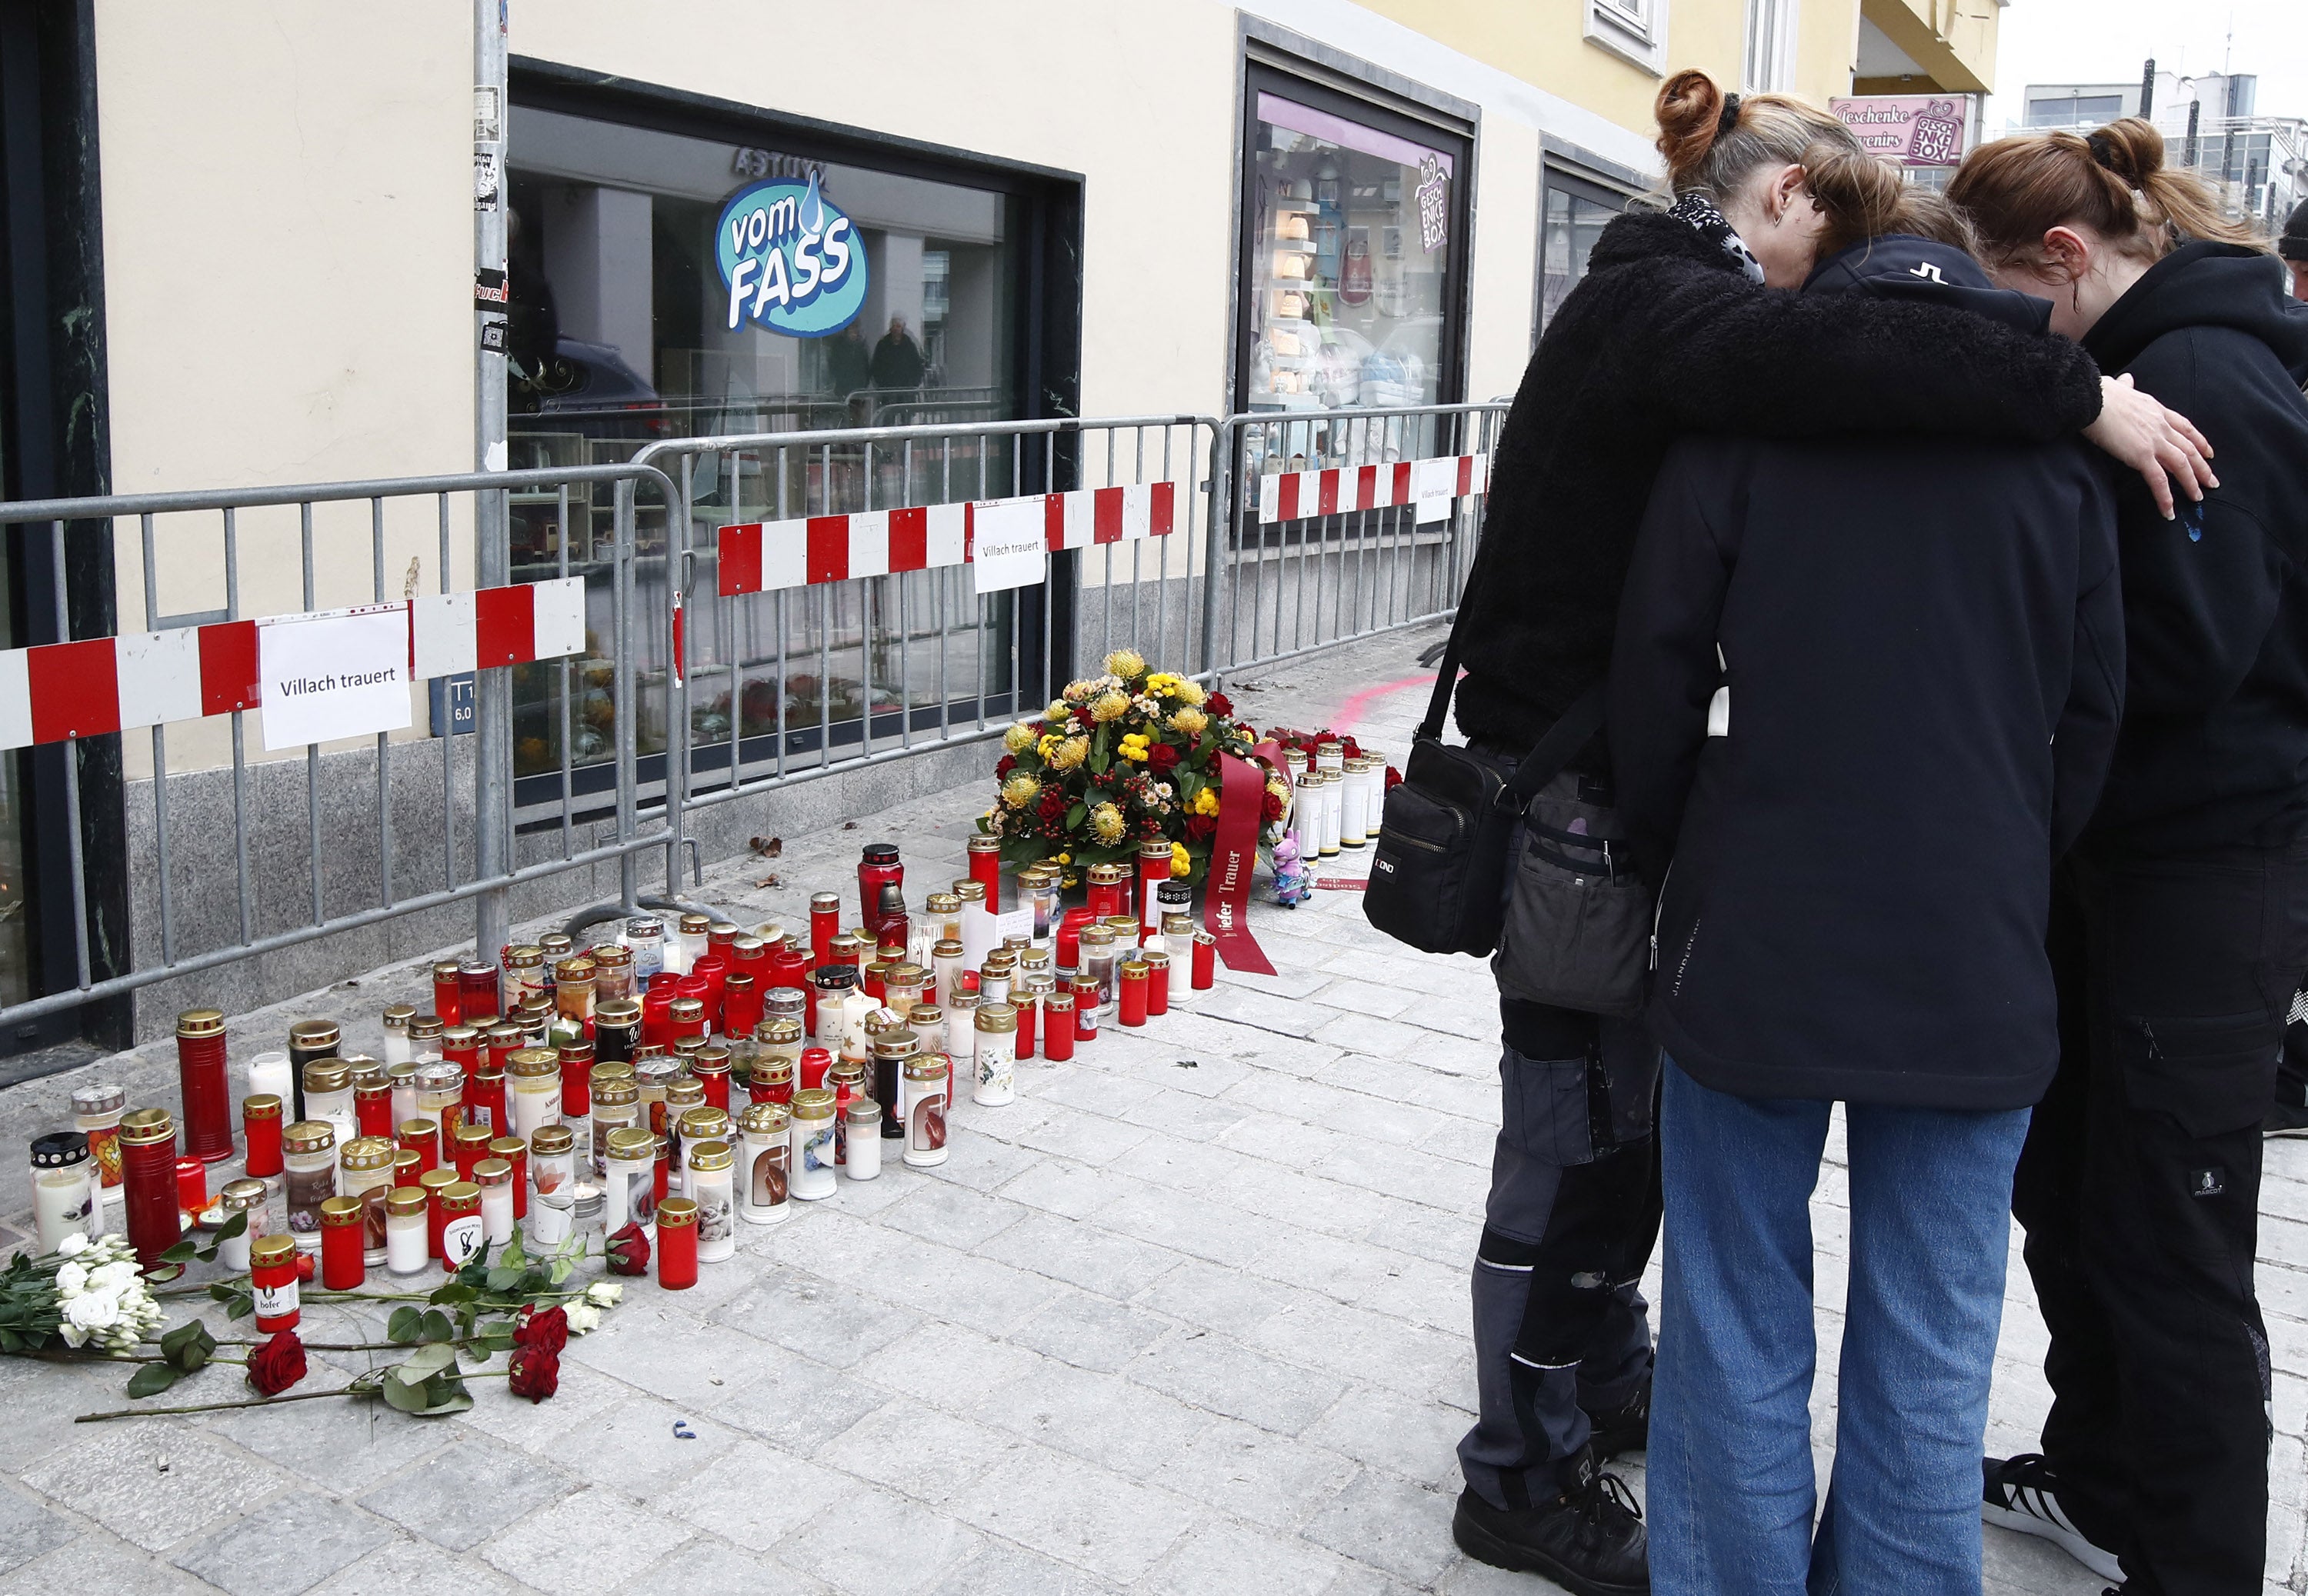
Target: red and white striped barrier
pixel 766 556
pixel 58 690
pixel 1292 495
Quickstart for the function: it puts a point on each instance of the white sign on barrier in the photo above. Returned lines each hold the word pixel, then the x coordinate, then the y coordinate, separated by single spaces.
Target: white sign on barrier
pixel 338 673
pixel 1009 545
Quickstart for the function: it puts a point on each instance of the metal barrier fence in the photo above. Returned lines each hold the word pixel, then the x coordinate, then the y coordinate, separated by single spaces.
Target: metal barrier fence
pixel 755 611
pixel 186 667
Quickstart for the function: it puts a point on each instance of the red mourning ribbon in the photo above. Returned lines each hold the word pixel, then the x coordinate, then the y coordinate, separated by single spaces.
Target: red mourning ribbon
pixel 1233 857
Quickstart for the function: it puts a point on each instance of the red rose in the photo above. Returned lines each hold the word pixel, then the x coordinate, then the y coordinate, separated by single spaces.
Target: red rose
pixel 1393 778
pixel 1161 758
pixel 1199 827
pixel 629 1251
pixel 1271 810
pixel 544 1331
pixel 278 1364
pixel 1053 805
pixel 304 1262
pixel 1082 714
pixel 1004 766
pixel 1218 703
pixel 535 1373
pixel 1350 748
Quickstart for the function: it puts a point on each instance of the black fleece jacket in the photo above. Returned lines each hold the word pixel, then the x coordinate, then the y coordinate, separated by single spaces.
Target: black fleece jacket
pixel 2214 751
pixel 1664 337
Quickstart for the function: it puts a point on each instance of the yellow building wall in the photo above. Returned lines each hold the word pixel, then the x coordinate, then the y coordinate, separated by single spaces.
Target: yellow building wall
pixel 1543 43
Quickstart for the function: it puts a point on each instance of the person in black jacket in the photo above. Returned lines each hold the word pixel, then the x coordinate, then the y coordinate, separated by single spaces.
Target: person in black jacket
pixel 1863 694
pixel 1672 331
pixel 2179 920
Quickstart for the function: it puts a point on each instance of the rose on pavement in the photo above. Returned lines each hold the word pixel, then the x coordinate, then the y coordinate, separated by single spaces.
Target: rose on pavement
pixel 535 1373
pixel 544 1331
pixel 278 1364
pixel 629 1251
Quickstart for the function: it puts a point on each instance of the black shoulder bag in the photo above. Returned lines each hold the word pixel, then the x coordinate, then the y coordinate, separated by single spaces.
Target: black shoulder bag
pixel 1570 921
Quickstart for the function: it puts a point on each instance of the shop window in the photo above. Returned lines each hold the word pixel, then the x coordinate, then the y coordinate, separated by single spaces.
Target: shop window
pixel 1574 213
pixel 1353 236
pixel 665 282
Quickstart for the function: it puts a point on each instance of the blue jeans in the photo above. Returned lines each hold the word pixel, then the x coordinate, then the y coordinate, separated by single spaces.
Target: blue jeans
pixel 1731 1485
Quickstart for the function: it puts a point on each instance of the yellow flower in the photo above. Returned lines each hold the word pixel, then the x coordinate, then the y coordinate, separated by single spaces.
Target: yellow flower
pixel 1206 802
pixel 1110 706
pixel 1048 744
pixel 1021 790
pixel 1105 823
pixel 1134 746
pixel 1193 721
pixel 1065 859
pixel 1070 753
pixel 1182 864
pixel 1126 663
pixel 1018 738
pixel 1056 711
pixel 1191 692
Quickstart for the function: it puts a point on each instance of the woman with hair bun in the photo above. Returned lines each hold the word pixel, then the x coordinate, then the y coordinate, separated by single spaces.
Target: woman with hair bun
pixel 1682 324
pixel 2180 920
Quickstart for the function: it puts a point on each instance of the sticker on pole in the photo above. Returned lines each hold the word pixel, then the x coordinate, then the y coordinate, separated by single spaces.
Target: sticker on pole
pixel 790 260
pixel 338 673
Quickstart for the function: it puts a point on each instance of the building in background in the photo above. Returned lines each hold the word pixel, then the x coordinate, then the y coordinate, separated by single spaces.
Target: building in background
pixel 243 254
pixel 2211 124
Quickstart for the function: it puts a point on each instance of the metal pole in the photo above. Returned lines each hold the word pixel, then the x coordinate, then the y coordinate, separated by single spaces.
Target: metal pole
pixel 492 552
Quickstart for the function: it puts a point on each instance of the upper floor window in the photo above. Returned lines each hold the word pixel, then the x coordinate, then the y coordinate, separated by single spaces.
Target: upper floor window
pixel 1633 30
pixel 1770 62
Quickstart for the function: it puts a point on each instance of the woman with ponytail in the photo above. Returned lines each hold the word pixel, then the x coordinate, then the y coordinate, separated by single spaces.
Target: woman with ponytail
pixel 1686 322
pixel 2179 920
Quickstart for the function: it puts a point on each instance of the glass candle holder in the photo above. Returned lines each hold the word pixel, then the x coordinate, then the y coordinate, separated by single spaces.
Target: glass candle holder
pixel 616 1106
pixel 630 1187
pixel 364 1173
pixel 204 1091
pixel 148 1166
pixel 310 1152
pixel 463 1229
pixel 996 1080
pixel 494 1176
pixel 577 1059
pixel 405 1240
pixel 812 1129
pixel 309 1040
pixel 533 1075
pixel 1131 994
pixel 260 1125
pixel 467 1145
pixel 613 975
pixel 64 1201
pixel 513 1150
pixel 272 1283
pixel 928 1087
pixel 645 937
pixel 395 1019
pixel 711 1183
pixel 477 991
pixel 447 992
pixel 344 1264
pixel 250 1199
pixel 552 1159
pixel 422 1137
pixel 433 1184
pixel 765 1156
pixel 1157 980
pixel 862 1154
pixel 329 1096
pixel 616 1030
pixel 677 1245
pixel 96 1114
pixel 1058 1026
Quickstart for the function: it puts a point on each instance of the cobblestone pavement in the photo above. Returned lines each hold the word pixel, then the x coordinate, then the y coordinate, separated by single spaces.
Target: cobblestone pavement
pixel 1190 1317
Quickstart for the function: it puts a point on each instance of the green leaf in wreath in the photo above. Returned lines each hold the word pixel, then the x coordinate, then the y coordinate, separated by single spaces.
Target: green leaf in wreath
pixel 151 1380
pixel 434 1326
pixel 404 1326
pixel 1074 815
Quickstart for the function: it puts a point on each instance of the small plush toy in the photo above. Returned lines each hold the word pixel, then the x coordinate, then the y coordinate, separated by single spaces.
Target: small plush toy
pixel 1294 883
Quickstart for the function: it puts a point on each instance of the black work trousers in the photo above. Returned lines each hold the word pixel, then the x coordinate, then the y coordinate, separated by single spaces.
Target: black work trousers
pixel 2139 1189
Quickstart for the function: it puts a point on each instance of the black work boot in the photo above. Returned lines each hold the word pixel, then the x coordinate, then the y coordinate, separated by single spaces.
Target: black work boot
pixel 1588 1538
pixel 1626 1428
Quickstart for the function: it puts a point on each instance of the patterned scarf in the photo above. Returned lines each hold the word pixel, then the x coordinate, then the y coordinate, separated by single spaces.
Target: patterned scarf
pixel 1695 208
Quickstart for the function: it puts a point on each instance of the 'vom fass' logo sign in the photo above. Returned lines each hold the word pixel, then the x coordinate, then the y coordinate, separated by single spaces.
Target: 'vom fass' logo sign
pixel 791 259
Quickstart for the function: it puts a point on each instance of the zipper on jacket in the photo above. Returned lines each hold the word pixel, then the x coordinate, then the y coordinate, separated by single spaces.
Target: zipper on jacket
pixel 1657 910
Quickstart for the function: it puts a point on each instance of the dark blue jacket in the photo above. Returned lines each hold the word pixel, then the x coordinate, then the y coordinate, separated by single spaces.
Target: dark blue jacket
pixel 2215 747
pixel 1919 677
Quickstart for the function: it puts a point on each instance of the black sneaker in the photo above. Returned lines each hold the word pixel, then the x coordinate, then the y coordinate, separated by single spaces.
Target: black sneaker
pixel 1626 1428
pixel 2285 1118
pixel 1590 1540
pixel 2022 1493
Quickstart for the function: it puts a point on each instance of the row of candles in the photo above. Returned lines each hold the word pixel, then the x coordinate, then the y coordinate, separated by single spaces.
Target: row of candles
pixel 682 1083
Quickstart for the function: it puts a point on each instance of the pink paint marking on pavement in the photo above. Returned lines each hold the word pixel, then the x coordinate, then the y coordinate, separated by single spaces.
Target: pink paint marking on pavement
pixel 1350 714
